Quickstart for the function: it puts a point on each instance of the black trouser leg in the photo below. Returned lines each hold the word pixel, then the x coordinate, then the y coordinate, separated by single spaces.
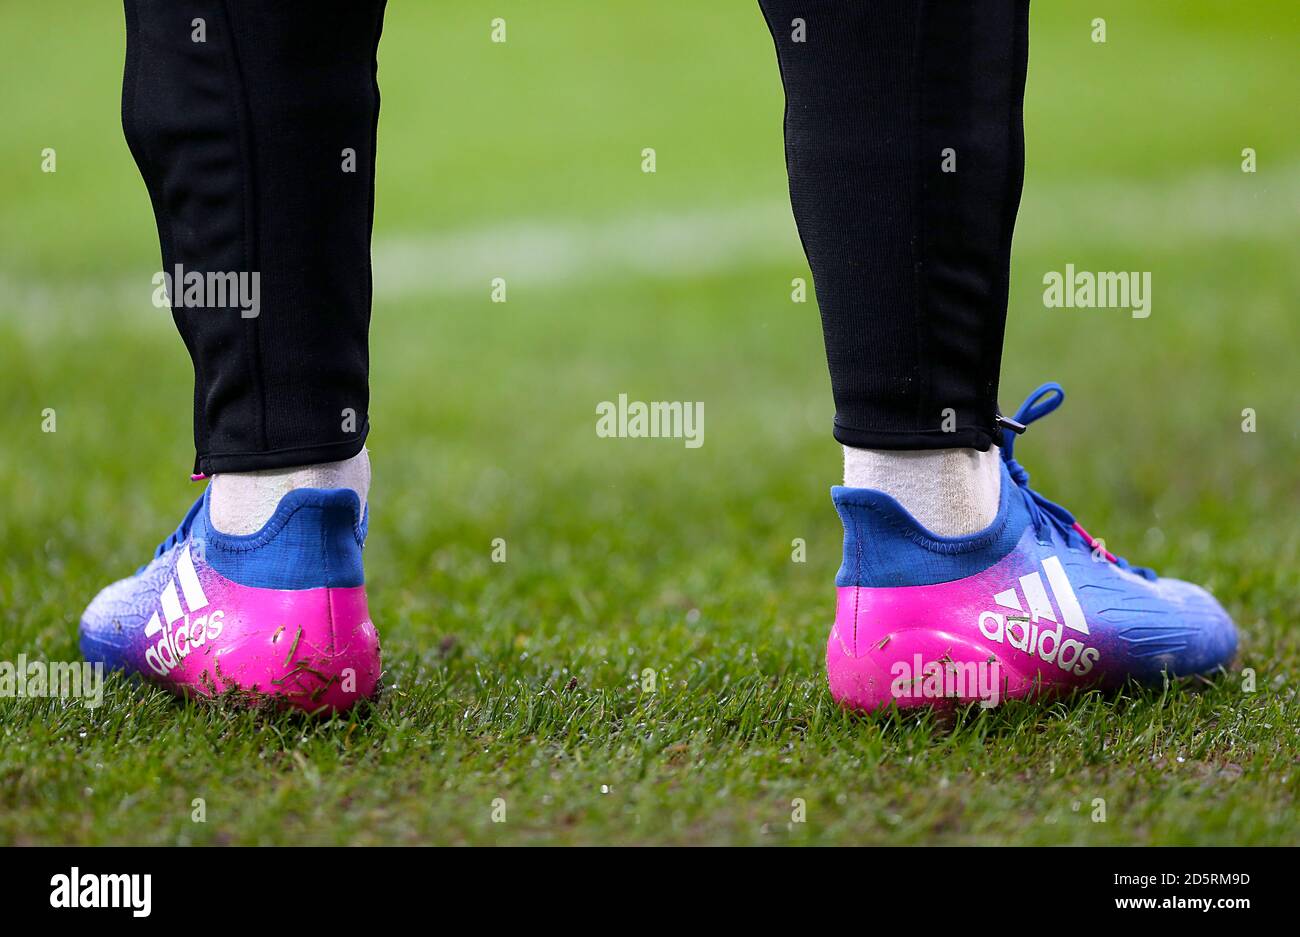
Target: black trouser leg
pixel 253 123
pixel 905 152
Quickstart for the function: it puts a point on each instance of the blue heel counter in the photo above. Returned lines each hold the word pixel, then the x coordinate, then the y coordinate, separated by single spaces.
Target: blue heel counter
pixel 885 546
pixel 313 540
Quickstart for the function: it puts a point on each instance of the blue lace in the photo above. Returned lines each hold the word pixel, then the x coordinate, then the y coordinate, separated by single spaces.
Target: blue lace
pixel 1042 511
pixel 182 531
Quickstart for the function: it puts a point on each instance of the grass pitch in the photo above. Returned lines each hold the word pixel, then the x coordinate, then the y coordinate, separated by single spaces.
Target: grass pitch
pixel 518 691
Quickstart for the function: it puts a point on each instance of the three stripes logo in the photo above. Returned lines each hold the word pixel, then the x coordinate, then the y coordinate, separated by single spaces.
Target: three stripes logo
pixel 1028 629
pixel 178 631
pixel 1039 606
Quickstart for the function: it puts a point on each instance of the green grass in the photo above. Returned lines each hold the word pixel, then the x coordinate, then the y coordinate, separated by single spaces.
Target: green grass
pixel 523 680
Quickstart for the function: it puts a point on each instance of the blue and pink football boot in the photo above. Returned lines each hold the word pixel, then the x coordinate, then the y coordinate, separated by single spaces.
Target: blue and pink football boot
pixel 1033 604
pixel 277 617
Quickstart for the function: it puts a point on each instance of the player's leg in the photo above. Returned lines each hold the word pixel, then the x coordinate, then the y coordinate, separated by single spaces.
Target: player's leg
pixel 905 153
pixel 253 125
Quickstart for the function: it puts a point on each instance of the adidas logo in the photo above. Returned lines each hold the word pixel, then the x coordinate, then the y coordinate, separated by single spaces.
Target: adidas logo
pixel 1026 631
pixel 175 642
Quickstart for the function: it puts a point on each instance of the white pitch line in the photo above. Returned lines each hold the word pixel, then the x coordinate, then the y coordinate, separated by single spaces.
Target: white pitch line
pixel 1168 214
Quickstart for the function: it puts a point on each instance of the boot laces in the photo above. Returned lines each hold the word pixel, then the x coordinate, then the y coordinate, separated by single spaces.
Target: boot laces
pixel 1043 512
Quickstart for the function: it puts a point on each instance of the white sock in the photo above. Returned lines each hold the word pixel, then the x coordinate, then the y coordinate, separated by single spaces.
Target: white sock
pixel 242 502
pixel 952 492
